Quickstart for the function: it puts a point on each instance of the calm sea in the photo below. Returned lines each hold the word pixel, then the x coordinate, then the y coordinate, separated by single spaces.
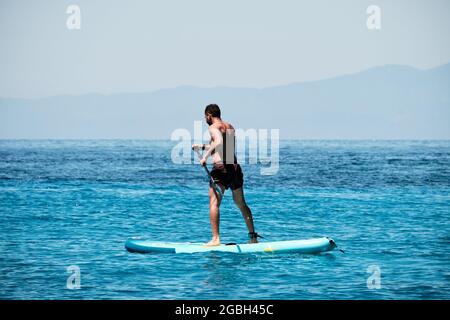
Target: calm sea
pixel 74 203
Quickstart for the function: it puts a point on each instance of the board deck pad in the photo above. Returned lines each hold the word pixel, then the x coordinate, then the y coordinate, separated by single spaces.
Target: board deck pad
pixel 312 246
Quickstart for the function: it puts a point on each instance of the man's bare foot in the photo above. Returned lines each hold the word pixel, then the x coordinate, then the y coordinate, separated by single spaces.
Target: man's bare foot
pixel 253 240
pixel 214 242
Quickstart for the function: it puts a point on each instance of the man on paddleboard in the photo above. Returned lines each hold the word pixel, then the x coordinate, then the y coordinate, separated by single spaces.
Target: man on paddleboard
pixel 226 172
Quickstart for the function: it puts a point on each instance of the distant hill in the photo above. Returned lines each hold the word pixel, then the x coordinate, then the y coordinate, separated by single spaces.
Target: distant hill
pixel 388 102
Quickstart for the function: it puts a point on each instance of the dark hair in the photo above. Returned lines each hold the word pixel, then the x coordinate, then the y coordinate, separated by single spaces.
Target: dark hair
pixel 213 109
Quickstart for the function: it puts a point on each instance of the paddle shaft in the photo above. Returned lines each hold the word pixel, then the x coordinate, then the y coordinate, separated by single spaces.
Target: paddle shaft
pixel 211 180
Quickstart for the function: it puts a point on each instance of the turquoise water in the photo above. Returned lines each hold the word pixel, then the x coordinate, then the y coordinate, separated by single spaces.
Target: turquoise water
pixel 63 203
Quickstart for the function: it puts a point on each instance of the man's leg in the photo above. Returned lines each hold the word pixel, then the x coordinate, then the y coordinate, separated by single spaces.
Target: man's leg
pixel 239 200
pixel 214 215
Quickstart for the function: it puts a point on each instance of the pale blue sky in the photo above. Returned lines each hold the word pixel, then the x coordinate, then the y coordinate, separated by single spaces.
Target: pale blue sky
pixel 135 46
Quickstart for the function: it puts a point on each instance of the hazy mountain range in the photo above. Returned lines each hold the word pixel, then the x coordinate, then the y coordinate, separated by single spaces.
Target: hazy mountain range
pixel 388 102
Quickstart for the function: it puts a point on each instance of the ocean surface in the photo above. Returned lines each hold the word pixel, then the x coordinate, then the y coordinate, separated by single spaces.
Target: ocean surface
pixel 74 203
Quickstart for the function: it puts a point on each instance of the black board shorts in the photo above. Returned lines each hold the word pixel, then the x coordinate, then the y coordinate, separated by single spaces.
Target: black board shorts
pixel 229 175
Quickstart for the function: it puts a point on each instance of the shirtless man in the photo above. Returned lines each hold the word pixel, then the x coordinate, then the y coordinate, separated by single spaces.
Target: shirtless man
pixel 226 172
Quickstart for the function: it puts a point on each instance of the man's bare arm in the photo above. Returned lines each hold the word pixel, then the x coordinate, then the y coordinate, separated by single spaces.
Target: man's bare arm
pixel 217 141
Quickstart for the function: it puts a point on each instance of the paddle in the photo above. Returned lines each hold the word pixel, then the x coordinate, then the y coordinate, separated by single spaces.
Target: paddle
pixel 211 180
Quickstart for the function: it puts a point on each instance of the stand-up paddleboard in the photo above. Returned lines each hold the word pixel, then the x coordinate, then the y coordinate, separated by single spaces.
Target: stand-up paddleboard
pixel 316 245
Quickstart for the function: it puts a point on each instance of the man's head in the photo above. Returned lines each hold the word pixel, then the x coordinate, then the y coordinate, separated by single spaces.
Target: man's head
pixel 211 111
